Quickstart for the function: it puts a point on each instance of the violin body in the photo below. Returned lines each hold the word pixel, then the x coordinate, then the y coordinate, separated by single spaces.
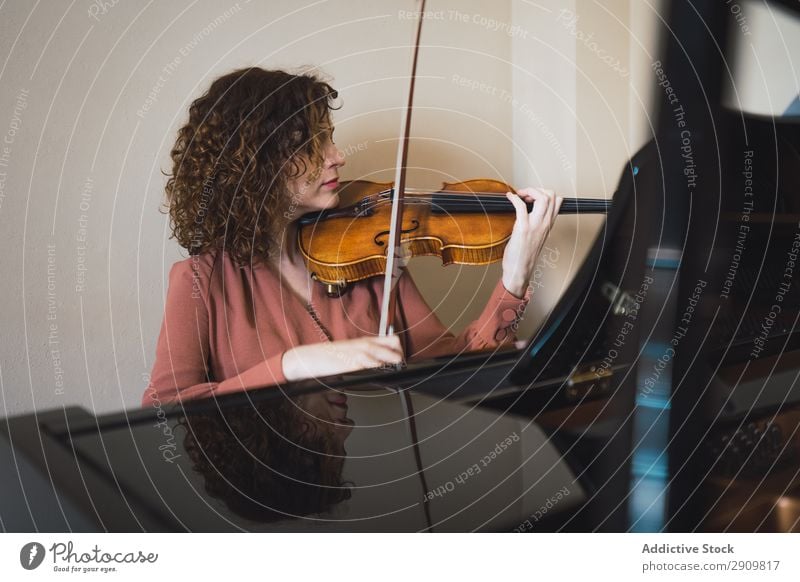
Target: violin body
pixel 350 244
pixel 465 223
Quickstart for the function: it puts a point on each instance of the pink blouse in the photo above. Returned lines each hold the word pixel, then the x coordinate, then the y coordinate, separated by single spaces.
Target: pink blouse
pixel 227 327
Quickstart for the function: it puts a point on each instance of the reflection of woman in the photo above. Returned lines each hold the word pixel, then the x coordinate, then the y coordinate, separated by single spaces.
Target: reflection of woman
pixel 275 460
pixel 242 312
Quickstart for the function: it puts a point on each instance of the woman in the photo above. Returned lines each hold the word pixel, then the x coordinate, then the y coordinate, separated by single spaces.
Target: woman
pixel 242 311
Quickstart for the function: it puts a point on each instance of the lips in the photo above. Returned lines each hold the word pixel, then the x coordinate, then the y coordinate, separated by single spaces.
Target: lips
pixel 337 398
pixel 331 183
pixel 339 402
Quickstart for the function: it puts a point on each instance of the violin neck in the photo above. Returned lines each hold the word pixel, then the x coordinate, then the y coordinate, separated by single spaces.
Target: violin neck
pixel 445 203
pixel 583 206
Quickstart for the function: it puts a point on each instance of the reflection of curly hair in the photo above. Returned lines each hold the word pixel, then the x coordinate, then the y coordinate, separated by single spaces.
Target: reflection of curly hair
pixel 267 460
pixel 252 132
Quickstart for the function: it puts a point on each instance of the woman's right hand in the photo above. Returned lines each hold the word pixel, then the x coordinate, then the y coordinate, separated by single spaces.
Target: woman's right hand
pixel 324 359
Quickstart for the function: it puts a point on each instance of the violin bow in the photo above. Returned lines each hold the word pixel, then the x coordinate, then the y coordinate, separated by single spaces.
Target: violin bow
pixel 394 259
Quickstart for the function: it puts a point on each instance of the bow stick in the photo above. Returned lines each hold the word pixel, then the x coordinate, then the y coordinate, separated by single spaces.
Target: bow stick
pixel 394 258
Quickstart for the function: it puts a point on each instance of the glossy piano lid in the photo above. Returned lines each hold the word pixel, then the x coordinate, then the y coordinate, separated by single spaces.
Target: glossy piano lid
pixel 340 462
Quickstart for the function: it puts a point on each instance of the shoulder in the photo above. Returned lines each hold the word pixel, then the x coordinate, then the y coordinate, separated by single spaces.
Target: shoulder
pixel 195 274
pixel 195 266
pixel 207 264
pixel 215 273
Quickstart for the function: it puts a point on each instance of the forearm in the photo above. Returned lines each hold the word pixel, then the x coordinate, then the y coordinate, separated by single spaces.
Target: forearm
pixel 496 326
pixel 170 387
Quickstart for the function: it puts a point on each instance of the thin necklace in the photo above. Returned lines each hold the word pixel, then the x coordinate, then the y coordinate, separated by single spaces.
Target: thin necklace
pixel 307 304
pixel 314 316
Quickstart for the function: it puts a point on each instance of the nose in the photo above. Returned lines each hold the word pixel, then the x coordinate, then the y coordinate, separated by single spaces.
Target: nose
pixel 334 157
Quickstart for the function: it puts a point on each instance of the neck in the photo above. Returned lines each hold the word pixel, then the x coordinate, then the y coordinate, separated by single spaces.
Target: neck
pixel 286 254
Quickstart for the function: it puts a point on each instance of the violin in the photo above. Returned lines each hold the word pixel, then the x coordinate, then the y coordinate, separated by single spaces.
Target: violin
pixel 464 223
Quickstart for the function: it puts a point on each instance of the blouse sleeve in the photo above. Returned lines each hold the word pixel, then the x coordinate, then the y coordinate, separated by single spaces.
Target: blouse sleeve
pixel 426 336
pixel 181 370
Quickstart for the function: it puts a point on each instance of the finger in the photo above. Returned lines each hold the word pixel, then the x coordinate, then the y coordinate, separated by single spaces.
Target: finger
pixel 531 194
pixel 391 342
pixel 557 200
pixel 519 206
pixel 541 208
pixel 526 194
pixel 551 198
pixel 556 206
pixel 384 353
pixel 551 203
pixel 391 339
pixel 366 359
pixel 395 343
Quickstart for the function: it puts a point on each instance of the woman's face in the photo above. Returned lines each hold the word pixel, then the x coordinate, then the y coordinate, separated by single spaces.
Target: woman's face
pixel 329 408
pixel 316 189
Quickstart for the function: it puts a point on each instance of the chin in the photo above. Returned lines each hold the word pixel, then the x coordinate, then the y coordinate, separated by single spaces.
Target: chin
pixel 333 202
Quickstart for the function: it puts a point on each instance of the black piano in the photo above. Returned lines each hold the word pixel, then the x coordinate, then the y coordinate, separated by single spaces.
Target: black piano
pixel 660 394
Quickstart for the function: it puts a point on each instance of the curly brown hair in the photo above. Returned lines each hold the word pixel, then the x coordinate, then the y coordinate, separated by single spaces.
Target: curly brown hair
pixel 267 461
pixel 250 134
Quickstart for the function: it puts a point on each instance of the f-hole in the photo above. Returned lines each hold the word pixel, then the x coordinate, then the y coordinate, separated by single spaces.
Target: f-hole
pixel 380 243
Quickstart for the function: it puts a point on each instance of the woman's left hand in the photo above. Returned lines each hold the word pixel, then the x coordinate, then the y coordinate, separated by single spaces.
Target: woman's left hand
pixel 528 236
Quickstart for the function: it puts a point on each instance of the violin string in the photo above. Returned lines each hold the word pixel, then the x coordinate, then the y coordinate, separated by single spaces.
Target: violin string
pixel 490 199
pixel 476 201
pixel 468 193
pixel 504 203
pixel 471 194
pixel 500 203
pixel 475 206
